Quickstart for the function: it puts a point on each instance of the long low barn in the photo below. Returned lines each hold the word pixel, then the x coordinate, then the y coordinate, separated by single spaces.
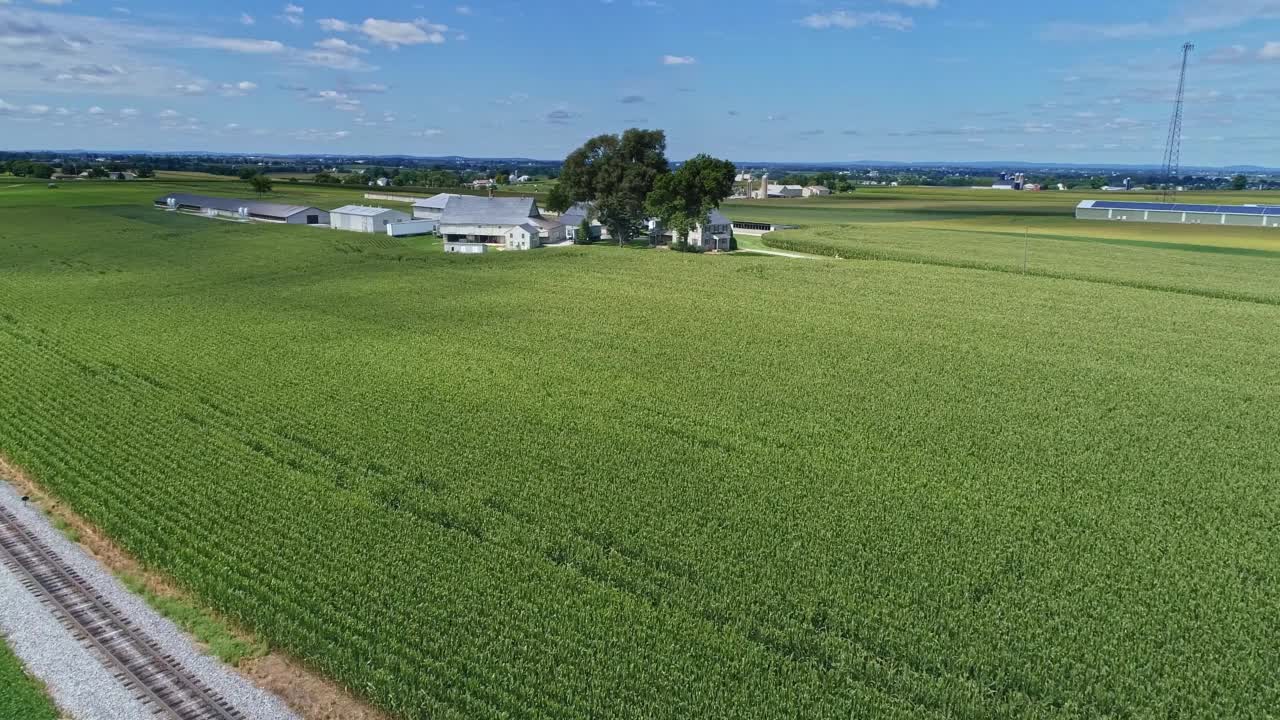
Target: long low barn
pixel 244 209
pixel 1179 213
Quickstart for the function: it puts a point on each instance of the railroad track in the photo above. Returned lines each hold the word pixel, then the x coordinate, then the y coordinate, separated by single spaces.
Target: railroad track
pixel 157 679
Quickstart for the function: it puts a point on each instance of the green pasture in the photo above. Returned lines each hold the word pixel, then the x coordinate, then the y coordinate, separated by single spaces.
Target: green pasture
pixel 593 482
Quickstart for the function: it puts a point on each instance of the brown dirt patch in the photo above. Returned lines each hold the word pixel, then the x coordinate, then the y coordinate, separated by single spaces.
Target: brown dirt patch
pixel 308 693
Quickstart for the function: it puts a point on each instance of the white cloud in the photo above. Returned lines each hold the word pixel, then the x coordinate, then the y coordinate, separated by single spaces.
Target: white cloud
pixel 189 88
pixel 1185 18
pixel 31 113
pixel 238 45
pixel 319 135
pixel 333 25
pixel 846 20
pixel 429 132
pixel 246 19
pixel 678 60
pixel 1270 51
pixel 130 112
pixel 339 45
pixel 393 33
pixel 336 60
pixel 924 4
pixel 95 110
pixel 338 100
pixel 238 89
pixel 168 114
pixel 463 9
pixel 292 14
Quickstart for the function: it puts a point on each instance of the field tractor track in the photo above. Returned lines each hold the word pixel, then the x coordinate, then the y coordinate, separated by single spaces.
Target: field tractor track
pixel 159 681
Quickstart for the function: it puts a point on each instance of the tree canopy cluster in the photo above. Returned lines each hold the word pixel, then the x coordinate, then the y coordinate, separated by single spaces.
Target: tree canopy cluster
pixel 627 180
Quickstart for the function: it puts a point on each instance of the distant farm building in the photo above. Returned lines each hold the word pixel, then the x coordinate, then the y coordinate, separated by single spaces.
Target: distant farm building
pixel 1177 213
pixel 243 209
pixel 359 218
pixel 815 191
pixel 786 191
pixel 768 190
pixel 511 223
pixel 1006 181
pixel 715 233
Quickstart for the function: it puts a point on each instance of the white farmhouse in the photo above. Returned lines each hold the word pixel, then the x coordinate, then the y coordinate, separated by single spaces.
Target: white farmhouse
pixel 358 218
pixel 816 191
pixel 716 233
pixel 522 237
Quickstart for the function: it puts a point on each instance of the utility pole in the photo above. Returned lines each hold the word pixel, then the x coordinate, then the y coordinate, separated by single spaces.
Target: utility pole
pixel 1173 148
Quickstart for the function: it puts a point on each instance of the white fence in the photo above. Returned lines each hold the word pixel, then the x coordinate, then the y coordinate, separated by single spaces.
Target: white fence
pixel 395 198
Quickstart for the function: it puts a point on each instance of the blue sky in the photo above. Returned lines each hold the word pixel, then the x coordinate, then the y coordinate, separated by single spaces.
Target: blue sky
pixel 780 80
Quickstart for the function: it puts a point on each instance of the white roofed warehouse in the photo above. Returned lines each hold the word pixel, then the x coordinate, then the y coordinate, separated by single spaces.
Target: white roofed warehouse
pixel 358 218
pixel 1180 213
pixel 238 209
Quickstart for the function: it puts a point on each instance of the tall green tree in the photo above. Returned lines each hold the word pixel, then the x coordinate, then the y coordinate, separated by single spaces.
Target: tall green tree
pixel 558 199
pixel 1239 182
pixel 583 236
pixel 260 183
pixel 684 198
pixel 617 173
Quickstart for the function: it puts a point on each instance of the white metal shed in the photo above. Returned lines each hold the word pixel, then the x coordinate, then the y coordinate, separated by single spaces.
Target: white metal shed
pixel 359 218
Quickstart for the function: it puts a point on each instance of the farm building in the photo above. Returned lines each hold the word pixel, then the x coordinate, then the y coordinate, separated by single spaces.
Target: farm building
pixel 572 219
pixel 513 223
pixel 1239 215
pixel 815 191
pixel 772 190
pixel 716 233
pixel 243 209
pixel 431 208
pixel 359 218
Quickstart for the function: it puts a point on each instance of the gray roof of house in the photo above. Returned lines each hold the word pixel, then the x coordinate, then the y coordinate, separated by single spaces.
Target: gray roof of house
pixel 472 210
pixel 576 214
pixel 435 202
pixel 363 210
pixel 256 207
pixel 718 218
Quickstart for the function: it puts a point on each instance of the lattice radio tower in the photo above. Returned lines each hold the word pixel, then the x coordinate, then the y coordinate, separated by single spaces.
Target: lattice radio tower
pixel 1173 148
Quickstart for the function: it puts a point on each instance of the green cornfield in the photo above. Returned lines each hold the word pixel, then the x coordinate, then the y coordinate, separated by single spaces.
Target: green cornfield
pixel 619 483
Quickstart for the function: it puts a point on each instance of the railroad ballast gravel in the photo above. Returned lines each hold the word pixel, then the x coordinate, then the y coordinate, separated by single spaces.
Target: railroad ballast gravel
pixel 77 680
